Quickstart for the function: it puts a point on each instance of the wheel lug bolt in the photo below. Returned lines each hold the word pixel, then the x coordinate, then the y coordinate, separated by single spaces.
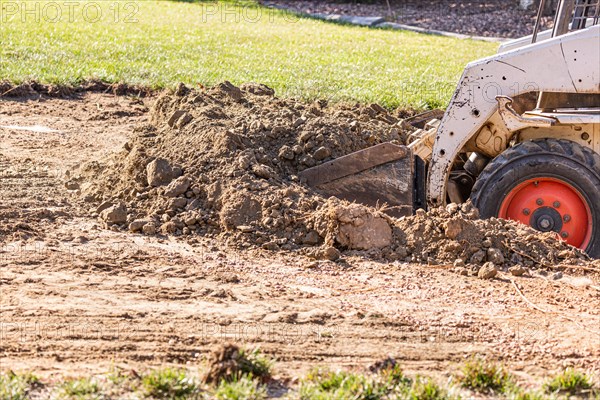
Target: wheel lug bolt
pixel 556 204
pixel 526 211
pixel 567 218
pixel 539 202
pixel 564 235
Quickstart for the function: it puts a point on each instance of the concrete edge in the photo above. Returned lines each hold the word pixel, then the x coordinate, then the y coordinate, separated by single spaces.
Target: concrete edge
pixel 380 22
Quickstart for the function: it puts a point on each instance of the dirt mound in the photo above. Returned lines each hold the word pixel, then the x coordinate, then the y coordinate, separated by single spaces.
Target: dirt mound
pixel 223 163
pixel 452 236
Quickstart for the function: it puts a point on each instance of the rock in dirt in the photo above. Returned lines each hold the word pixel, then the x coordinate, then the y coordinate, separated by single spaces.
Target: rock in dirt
pixel 178 187
pixel 137 225
pixel 330 253
pixel 495 256
pixel 478 257
pixel 263 171
pixel 116 214
pixel 159 172
pixel 321 153
pixel 360 228
pixel 517 270
pixel 168 228
pixel 232 91
pixel 487 271
pixel 149 228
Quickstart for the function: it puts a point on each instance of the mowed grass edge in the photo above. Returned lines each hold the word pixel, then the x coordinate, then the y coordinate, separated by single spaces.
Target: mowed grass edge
pixel 160 43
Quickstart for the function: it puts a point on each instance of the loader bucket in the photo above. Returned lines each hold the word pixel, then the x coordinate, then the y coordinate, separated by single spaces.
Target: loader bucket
pixel 376 176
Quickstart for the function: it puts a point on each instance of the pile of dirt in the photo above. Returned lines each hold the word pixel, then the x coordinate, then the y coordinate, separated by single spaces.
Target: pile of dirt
pixel 453 235
pixel 223 163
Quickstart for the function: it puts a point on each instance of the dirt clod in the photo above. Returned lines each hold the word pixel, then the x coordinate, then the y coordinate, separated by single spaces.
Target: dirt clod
pixel 116 214
pixel 487 271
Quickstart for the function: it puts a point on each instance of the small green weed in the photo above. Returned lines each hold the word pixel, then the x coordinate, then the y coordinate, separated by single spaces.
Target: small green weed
pixel 484 376
pixel 255 363
pixel 169 383
pixel 16 386
pixel 242 388
pixel 426 389
pixel 84 388
pixel 569 381
pixel 322 384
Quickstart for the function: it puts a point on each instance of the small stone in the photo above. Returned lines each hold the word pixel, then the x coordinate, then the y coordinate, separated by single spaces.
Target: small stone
pixel 463 271
pixel 245 228
pixel 300 121
pixel 191 220
pixel 159 172
pixel 71 185
pixel 168 227
pixel 495 255
pixel 517 270
pixel 183 120
pixel 116 214
pixel 286 153
pixel 137 225
pixel 263 171
pixel 558 275
pixel 487 271
pixel 330 253
pixel 273 246
pixel 175 117
pixel 459 263
pixel 311 238
pixel 305 136
pixel 297 149
pixel 178 187
pixel 478 257
pixel 321 153
pixel 454 227
pixel 466 207
pixel 178 202
pixel 486 243
pixel 308 160
pixel 420 213
pixel 516 259
pixel 149 228
pixel 452 208
pixel 103 206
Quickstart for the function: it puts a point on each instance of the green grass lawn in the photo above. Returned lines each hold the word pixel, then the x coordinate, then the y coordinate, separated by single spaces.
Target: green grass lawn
pixel 160 43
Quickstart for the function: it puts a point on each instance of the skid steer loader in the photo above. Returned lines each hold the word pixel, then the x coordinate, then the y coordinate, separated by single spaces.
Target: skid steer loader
pixel 520 138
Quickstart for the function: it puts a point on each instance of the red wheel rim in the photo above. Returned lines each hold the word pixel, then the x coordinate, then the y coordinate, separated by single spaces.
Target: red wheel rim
pixel 550 204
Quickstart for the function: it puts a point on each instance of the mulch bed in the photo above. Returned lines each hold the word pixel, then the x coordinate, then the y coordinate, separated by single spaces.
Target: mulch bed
pixel 479 18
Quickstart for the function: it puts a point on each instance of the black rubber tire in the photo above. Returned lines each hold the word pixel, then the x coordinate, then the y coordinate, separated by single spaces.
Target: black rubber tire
pixel 561 159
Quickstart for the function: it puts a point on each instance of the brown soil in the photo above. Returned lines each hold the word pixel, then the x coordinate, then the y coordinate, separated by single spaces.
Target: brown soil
pixel 77 297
